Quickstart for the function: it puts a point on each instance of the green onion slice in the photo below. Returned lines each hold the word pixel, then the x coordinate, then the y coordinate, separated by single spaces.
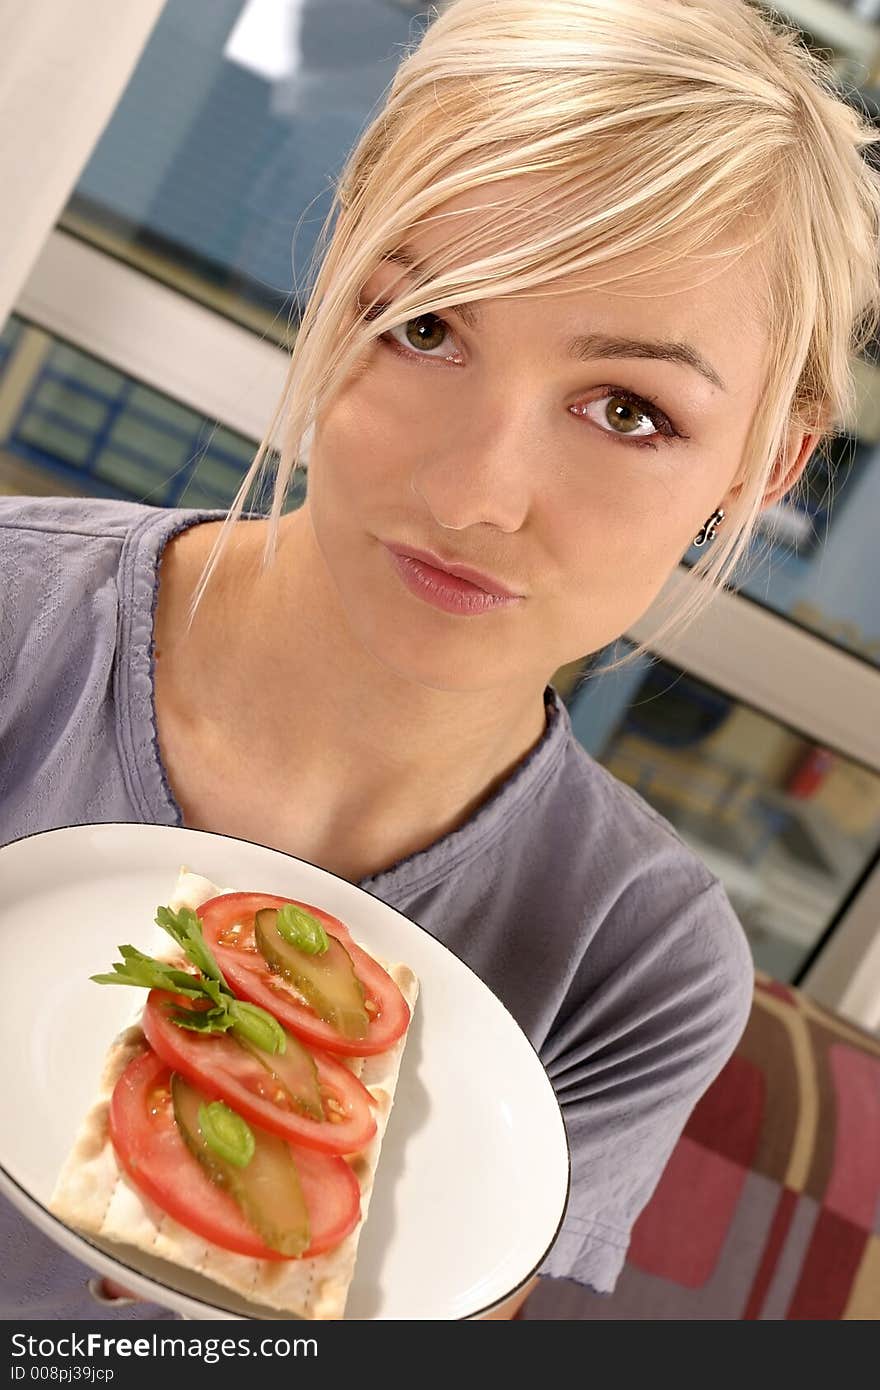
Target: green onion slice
pixel 300 929
pixel 226 1133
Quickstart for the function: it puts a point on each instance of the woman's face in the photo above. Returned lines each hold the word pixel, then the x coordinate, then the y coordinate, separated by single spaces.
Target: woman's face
pixel 576 475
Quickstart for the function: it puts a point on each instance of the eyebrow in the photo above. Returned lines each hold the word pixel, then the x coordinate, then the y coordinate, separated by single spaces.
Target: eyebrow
pixel 588 346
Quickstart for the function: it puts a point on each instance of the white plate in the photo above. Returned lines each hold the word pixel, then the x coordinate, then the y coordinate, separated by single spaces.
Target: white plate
pixel 473 1174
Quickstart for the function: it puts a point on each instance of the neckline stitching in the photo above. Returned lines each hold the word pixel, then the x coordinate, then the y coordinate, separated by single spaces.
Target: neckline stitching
pixel 545 757
pixel 137 659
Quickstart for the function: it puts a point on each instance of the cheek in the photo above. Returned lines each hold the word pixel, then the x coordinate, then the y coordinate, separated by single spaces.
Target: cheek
pixel 611 526
pixel 612 556
pixel 339 467
pixel 357 445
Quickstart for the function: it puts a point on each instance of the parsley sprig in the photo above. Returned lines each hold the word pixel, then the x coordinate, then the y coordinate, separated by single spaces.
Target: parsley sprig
pixel 251 1023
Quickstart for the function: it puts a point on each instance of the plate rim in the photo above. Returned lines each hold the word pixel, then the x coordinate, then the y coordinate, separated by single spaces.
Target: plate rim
pixel 12 1182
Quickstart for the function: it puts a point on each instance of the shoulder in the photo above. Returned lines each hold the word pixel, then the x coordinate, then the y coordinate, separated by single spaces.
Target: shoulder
pixel 95 518
pixel 59 567
pixel 59 548
pixel 655 1004
pixel 54 551
pixel 598 921
pixel 661 924
pixel 631 827
pixel 66 566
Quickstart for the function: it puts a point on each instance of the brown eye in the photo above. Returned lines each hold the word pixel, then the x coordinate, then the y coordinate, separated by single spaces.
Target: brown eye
pixel 426 332
pixel 622 415
pixel 628 416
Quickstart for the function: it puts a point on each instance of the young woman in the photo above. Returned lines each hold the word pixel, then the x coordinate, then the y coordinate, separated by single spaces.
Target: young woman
pixel 596 273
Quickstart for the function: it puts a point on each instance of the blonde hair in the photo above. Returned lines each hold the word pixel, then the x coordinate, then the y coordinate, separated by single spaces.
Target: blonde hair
pixel 651 127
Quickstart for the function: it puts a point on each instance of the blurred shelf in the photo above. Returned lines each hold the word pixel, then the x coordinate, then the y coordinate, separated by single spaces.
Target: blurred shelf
pixel 777 898
pixel 784 862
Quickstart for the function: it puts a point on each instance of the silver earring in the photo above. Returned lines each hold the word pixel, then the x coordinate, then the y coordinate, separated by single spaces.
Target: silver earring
pixel 710 527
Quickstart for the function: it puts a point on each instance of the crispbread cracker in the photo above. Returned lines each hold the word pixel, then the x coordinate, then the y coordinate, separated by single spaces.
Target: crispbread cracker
pixel 94 1196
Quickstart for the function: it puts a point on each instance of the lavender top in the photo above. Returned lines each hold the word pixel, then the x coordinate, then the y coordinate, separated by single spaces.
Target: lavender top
pixel 608 939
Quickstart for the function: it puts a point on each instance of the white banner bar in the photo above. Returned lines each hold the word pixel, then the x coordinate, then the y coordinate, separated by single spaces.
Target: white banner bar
pixel 155 334
pixel 764 659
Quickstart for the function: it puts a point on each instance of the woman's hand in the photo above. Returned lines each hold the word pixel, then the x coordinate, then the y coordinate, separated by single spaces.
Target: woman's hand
pixel 106 1291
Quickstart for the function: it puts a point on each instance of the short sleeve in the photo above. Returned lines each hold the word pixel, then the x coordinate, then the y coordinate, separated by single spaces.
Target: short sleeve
pixel 632 1053
pixel 58 616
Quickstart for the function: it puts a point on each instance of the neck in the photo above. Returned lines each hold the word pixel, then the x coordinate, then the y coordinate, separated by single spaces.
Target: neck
pixel 296 701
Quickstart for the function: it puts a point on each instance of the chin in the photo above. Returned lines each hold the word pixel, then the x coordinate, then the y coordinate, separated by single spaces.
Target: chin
pixel 418 643
pixel 430 666
pixel 453 660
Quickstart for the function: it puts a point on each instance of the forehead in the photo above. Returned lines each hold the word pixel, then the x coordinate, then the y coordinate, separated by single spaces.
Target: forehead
pixel 714 300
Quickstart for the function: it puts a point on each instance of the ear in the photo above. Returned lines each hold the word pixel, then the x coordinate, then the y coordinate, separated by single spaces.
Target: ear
pixel 789 466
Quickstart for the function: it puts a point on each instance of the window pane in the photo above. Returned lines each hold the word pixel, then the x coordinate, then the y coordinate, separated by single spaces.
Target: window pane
pixel 71 424
pixel 226 142
pixel 787 826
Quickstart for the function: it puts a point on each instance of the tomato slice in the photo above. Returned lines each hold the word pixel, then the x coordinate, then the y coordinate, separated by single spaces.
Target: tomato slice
pixel 152 1152
pixel 224 1071
pixel 250 977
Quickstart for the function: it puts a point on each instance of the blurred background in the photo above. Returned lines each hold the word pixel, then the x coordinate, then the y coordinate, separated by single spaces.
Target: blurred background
pixel 151 294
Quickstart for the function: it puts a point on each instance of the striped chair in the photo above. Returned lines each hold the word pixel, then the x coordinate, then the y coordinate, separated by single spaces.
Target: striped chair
pixel 769 1207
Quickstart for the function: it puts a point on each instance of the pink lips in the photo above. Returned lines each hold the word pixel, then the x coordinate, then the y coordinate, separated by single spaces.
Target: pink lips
pixel 457 589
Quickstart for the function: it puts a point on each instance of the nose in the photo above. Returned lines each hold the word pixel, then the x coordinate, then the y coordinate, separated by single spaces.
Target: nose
pixel 475 479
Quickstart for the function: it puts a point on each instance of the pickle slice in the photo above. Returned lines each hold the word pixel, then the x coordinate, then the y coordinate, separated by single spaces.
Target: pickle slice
pixel 327 981
pixel 267 1189
pixel 296 1073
